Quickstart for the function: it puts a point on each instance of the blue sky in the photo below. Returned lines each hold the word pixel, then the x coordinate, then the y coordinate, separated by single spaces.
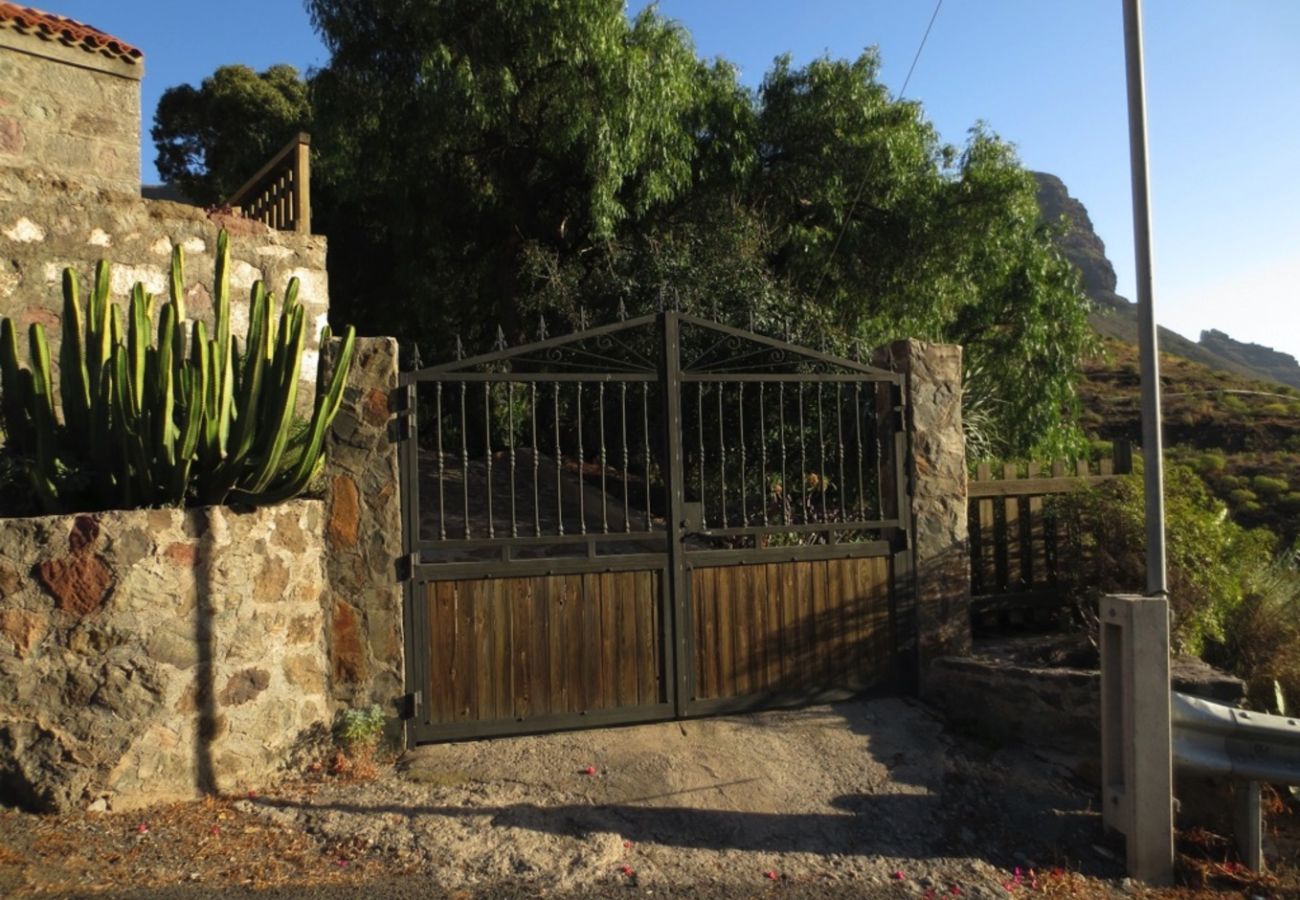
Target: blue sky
pixel 1223 81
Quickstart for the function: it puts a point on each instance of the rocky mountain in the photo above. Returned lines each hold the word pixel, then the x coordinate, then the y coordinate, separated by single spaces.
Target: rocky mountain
pixel 1116 317
pixel 1273 363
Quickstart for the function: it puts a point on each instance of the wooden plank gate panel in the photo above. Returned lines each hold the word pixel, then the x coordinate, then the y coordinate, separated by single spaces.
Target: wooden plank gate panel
pixel 813 629
pixel 528 648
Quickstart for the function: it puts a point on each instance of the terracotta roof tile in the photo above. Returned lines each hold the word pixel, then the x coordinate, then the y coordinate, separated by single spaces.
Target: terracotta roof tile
pixel 68 32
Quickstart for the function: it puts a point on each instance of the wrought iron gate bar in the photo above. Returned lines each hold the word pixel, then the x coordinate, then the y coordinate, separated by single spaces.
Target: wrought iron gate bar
pixel 487 442
pixel 802 377
pixel 525 377
pixel 582 460
pixel 799 352
pixel 614 537
pixel 802 528
pixel 442 470
pixel 537 346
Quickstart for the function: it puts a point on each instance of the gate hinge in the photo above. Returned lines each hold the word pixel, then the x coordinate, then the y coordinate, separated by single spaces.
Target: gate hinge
pixel 412 705
pixel 402 403
pixel 406 566
pixel 400 429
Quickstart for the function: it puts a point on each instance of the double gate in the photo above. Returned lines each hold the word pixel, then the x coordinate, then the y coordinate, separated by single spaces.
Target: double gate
pixel 658 518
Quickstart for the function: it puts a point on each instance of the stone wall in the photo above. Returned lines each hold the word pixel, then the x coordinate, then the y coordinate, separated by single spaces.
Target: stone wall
pixel 47 224
pixel 1058 709
pixel 70 112
pixel 936 466
pixel 363 535
pixel 156 654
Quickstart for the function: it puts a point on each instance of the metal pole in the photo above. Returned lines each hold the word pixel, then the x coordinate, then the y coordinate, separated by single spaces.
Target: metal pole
pixel 1148 355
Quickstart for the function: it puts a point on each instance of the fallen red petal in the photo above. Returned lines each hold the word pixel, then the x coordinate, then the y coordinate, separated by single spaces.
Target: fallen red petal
pixel 898 876
pixel 772 875
pixel 590 770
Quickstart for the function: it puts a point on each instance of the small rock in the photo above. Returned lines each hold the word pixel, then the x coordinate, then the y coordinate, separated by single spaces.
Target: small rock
pixel 99 806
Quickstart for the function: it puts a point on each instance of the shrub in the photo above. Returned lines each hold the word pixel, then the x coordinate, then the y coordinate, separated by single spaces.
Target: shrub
pixel 1269 486
pixel 1210 462
pixel 1210 558
pixel 163 422
pixel 1262 634
pixel 1242 496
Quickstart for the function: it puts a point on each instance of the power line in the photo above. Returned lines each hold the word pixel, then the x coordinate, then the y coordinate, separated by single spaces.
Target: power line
pixel 862 185
pixel 924 38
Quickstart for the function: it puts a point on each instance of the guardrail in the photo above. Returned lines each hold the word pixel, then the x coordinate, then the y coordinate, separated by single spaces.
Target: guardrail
pixel 1249 748
pixel 1148 730
pixel 279 195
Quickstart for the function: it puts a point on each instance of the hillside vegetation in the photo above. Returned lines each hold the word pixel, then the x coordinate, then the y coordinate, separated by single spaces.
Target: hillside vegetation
pixel 1241 435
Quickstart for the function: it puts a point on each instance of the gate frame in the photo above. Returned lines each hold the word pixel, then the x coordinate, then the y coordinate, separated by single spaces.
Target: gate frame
pixel 675 563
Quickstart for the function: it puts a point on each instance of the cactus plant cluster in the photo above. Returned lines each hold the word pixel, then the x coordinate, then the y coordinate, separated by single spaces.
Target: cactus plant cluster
pixel 155 416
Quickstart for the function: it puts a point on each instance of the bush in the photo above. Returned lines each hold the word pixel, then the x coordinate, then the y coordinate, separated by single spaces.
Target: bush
pixel 1211 559
pixel 1210 462
pixel 1242 496
pixel 1269 486
pixel 1262 634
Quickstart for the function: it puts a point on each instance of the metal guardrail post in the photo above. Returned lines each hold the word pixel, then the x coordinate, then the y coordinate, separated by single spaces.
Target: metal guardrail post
pixel 1136 754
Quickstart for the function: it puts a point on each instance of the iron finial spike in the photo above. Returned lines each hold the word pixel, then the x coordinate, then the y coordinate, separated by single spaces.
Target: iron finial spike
pixel 460 348
pixel 582 318
pixel 541 327
pixel 751 318
pixel 622 310
pixel 857 350
pixel 663 305
pixel 677 300
pixel 416 363
pixel 501 339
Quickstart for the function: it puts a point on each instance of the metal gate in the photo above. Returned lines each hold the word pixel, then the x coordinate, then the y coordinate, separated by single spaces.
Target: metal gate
pixel 658 518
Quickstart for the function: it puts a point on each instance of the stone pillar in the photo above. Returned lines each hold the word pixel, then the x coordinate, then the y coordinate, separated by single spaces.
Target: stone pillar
pixel 363 535
pixel 936 467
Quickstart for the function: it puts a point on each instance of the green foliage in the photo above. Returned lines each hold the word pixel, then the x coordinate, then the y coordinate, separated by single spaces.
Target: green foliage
pixel 360 727
pixel 1211 559
pixel 486 160
pixel 213 138
pixel 151 420
pixel 1240 496
pixel 1269 486
pixel 1262 634
pixel 1210 462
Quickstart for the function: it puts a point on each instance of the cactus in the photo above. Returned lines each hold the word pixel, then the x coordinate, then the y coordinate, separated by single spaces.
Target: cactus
pixel 152 419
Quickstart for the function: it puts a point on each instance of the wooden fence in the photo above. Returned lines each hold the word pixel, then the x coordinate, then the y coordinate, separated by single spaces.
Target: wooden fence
pixel 279 195
pixel 1015 542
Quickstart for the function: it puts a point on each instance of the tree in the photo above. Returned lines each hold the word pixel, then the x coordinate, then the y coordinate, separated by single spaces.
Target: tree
pixel 481 161
pixel 211 139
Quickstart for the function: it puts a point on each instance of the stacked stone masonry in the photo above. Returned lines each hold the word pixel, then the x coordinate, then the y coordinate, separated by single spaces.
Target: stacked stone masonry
pixel 936 466
pixel 70 111
pixel 48 224
pixel 363 534
pixel 156 654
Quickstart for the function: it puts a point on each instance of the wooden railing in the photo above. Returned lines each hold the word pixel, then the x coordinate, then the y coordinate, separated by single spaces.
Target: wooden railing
pixel 1013 535
pixel 279 195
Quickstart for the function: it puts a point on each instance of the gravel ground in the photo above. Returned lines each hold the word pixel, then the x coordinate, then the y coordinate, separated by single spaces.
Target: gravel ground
pixel 867 798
